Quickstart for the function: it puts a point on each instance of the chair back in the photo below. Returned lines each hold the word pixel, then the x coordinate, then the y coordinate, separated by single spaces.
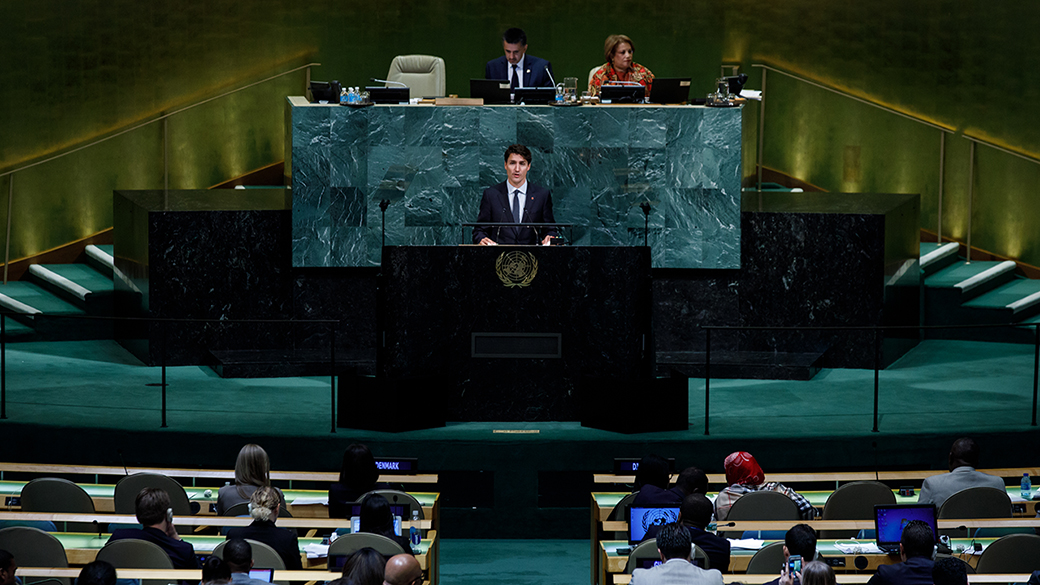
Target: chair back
pixel 762 505
pixel 767 560
pixel 33 547
pixel 131 485
pixel 52 494
pixel 648 550
pixel 348 544
pixel 423 74
pixel 854 501
pixel 398 498
pixel 976 502
pixel 264 557
pixel 592 72
pixel 131 553
pixel 1014 553
pixel 620 513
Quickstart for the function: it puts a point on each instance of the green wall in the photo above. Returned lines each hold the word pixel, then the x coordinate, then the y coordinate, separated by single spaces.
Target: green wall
pixel 73 72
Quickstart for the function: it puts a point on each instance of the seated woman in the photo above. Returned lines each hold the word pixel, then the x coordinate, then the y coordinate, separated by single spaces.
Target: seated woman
pixel 744 475
pixel 618 50
pixel 264 510
pixel 357 476
pixel 376 518
pixel 252 470
pixel 364 567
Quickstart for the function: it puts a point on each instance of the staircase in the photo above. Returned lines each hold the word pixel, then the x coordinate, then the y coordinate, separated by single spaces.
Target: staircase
pixel 51 291
pixel 981 292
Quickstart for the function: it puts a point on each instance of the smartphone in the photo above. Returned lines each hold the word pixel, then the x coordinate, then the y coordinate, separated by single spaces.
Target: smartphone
pixel 794 564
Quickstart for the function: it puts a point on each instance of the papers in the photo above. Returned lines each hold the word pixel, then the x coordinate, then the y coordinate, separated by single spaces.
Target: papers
pixel 858 548
pixel 751 94
pixel 316 551
pixel 746 543
pixel 311 501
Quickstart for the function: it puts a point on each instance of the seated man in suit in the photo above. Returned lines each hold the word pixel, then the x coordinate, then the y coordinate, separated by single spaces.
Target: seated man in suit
pixel 690 481
pixel 514 201
pixel 153 511
pixel 673 544
pixel 521 69
pixel 238 556
pixel 916 547
pixel 799 540
pixel 695 514
pixel 964 457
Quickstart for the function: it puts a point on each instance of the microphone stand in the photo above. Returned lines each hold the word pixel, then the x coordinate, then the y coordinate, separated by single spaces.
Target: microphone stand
pixel 645 206
pixel 382 208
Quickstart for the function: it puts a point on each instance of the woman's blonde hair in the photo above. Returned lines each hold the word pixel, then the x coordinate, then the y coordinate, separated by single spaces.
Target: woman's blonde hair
pixel 610 46
pixel 252 468
pixel 264 502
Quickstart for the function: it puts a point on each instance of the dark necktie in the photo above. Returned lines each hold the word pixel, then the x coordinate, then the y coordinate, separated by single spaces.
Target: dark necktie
pixel 516 206
pixel 514 82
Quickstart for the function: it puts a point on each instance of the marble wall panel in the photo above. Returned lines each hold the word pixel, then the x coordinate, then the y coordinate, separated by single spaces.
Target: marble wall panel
pixel 433 163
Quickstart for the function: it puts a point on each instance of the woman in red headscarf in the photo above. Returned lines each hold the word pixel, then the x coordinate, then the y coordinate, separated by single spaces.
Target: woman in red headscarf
pixel 744 475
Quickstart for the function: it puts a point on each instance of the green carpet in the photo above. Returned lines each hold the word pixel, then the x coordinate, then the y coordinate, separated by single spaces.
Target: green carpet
pixel 518 562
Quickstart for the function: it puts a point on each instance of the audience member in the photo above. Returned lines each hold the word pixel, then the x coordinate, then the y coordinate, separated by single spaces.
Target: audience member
pixel 916 547
pixel 357 476
pixel 948 570
pixel 365 567
pixel 377 518
pixel 652 470
pixel 238 556
pixel 152 508
pixel 964 457
pixel 402 570
pixel 7 568
pixel 673 545
pixel 97 573
pixel 695 515
pixel 252 470
pixel 264 505
pixel 215 572
pixel 818 573
pixel 691 480
pixel 1034 579
pixel 800 540
pixel 744 475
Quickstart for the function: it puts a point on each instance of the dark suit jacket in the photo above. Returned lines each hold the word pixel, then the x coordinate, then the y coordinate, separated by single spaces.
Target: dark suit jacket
pixel 181 553
pixel 283 541
pixel 651 495
pixel 716 547
pixel 534 71
pixel 912 571
pixel 494 207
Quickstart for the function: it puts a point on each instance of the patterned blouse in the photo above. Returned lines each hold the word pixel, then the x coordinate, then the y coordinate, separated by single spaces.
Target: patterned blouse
pixel 724 501
pixel 607 74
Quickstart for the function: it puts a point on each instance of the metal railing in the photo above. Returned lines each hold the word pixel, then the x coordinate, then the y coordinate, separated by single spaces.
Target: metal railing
pixel 943 131
pixel 165 146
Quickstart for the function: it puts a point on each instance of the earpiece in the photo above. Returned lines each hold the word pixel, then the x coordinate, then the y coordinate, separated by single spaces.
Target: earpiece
pixel 169 514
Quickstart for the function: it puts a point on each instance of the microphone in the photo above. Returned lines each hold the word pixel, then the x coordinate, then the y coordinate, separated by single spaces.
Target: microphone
pixel 125 470
pixel 387 81
pixel 550 75
pixel 97 526
pixel 876 464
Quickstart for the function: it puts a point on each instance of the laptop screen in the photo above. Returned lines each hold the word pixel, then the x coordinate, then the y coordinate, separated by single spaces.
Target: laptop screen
pixel 398 512
pixel 262 574
pixel 641 518
pixel 889 521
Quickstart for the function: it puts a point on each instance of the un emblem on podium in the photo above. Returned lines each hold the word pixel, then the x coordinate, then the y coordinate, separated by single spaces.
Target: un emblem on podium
pixel 516 268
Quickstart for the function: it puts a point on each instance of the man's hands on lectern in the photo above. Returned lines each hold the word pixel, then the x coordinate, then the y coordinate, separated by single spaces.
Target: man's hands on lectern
pixel 488 242
pixel 546 240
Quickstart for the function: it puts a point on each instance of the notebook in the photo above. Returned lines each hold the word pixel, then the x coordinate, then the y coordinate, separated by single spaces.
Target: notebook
pixel 889 521
pixel 641 518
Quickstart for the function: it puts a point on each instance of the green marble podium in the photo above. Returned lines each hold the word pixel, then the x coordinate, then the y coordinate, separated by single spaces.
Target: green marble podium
pixel 433 163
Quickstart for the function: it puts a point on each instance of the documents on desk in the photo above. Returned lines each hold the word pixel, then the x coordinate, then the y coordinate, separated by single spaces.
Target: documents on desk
pixel 316 550
pixel 310 501
pixel 859 548
pixel 746 543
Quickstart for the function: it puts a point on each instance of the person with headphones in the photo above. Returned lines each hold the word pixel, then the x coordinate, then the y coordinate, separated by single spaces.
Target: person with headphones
pixel 153 511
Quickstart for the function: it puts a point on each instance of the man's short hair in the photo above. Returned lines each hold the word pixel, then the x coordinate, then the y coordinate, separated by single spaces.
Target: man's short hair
pixel 5 559
pixel 949 571
pixel 918 540
pixel 97 573
pixel 801 540
pixel 151 505
pixel 653 470
pixel 692 480
pixel 518 149
pixel 515 36
pixel 966 451
pixel 214 570
pixel 239 554
pixel 673 540
pixel 697 510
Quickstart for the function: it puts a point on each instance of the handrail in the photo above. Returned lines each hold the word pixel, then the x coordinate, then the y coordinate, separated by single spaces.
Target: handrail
pixel 1002 149
pixel 856 98
pixel 157 119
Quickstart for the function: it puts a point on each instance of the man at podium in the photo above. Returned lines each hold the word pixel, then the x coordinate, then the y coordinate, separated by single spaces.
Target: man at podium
pixel 515 201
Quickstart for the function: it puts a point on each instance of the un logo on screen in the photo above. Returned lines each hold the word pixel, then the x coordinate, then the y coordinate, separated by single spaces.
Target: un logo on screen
pixel 516 268
pixel 658 517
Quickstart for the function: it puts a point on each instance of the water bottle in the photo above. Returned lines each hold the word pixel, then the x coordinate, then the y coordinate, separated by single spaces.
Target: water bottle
pixel 343 97
pixel 1027 488
pixel 413 533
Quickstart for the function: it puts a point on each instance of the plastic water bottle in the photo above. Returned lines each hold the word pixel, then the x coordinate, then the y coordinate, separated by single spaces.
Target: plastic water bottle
pixel 413 533
pixel 343 97
pixel 1027 488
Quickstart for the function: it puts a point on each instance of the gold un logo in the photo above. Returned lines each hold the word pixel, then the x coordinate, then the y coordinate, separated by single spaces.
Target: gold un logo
pixel 516 268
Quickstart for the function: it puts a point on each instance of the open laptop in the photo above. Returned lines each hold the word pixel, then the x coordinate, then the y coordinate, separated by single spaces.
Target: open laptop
pixel 889 521
pixel 622 94
pixel 398 512
pixel 641 518
pixel 266 575
pixel 492 91
pixel 670 90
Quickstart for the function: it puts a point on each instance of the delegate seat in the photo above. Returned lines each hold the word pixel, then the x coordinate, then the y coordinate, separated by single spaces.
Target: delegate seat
pixel 854 501
pixel 52 494
pixel 648 550
pixel 136 554
pixel 33 547
pixel 620 514
pixel 264 557
pixel 398 498
pixel 131 485
pixel 767 560
pixel 423 74
pixel 976 502
pixel 348 544
pixel 1014 553
pixel 763 505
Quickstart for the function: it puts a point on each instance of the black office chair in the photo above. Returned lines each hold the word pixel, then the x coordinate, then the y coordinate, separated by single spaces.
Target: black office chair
pixel 131 485
pixel 398 498
pixel 1014 553
pixel 763 505
pixel 620 514
pixel 976 502
pixel 648 550
pixel 52 494
pixel 767 560
pixel 33 547
pixel 854 501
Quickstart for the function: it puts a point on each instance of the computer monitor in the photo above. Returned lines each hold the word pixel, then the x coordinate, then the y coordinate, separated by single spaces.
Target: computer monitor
pixel 670 90
pixel 492 91
pixel 325 92
pixel 641 518
pixel 388 95
pixel 534 96
pixel 622 94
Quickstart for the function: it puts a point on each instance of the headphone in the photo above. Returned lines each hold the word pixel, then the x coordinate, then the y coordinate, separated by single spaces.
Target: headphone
pixel 169 514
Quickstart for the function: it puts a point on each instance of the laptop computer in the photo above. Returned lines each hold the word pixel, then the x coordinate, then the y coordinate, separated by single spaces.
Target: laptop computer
pixel 266 575
pixel 622 94
pixel 670 90
pixel 534 96
pixel 398 512
pixel 641 518
pixel 492 91
pixel 388 95
pixel 889 521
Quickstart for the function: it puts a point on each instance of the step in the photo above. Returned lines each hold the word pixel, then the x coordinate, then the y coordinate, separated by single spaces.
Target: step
pixel 16 331
pixel 279 363
pixel 79 282
pixel 30 299
pixel 101 257
pixel 1020 298
pixel 962 281
pixel 935 257
pixel 43 311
